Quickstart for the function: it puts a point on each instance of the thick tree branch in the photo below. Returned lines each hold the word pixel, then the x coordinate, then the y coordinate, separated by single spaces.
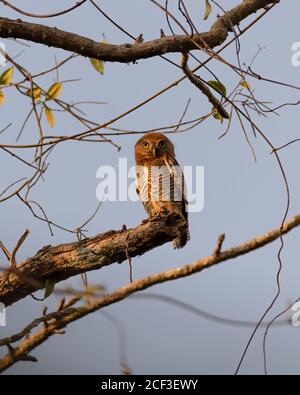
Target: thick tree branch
pixel 131 52
pixel 66 260
pixel 54 322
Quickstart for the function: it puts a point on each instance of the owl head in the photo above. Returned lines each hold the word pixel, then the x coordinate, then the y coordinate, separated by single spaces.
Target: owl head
pixel 151 147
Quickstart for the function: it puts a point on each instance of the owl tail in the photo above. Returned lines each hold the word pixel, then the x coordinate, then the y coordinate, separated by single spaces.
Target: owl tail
pixel 182 238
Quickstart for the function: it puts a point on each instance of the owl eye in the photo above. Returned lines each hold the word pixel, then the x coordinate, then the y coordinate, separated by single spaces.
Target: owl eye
pixel 162 144
pixel 145 144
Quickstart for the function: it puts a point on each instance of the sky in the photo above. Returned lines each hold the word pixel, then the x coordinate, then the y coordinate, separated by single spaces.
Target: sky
pixel 242 198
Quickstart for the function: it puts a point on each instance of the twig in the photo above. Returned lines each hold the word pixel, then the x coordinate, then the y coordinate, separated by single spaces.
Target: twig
pixel 218 247
pixel 203 88
pixel 78 4
pixel 17 247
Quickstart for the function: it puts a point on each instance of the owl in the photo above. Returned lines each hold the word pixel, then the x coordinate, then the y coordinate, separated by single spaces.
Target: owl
pixel 160 182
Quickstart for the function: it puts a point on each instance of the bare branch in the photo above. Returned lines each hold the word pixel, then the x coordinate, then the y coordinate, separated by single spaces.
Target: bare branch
pixel 219 245
pixel 66 11
pixel 58 320
pixel 17 247
pixel 131 52
pixel 66 260
pixel 202 86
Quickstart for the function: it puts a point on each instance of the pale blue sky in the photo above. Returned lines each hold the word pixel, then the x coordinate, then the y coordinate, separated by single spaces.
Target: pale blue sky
pixel 242 199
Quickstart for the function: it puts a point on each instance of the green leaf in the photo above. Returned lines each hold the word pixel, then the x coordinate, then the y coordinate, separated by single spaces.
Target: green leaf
pixel 49 288
pixel 217 115
pixel 6 77
pixel 208 10
pixel 54 91
pixel 245 84
pixel 218 86
pixel 1 97
pixel 50 117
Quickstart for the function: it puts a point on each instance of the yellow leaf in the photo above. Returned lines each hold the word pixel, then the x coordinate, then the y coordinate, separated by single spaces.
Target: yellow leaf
pixel 245 84
pixel 1 97
pixel 208 9
pixel 35 93
pixel 54 91
pixel 217 115
pixel 6 77
pixel 98 65
pixel 50 117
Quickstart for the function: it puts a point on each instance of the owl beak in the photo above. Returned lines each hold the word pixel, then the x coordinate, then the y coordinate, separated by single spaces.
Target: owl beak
pixel 156 152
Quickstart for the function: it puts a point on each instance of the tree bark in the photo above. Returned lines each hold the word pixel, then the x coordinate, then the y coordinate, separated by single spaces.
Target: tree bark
pixel 53 37
pixel 66 260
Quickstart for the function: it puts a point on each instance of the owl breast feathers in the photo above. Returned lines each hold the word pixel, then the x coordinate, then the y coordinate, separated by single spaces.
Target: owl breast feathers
pixel 160 181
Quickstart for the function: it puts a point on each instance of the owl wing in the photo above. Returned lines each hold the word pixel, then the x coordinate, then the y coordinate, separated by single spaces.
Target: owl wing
pixel 179 187
pixel 143 190
pixel 141 181
pixel 137 183
pixel 177 177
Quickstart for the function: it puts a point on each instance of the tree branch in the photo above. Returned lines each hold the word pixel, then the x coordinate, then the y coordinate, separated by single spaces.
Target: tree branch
pixel 54 322
pixel 131 52
pixel 66 11
pixel 66 260
pixel 203 88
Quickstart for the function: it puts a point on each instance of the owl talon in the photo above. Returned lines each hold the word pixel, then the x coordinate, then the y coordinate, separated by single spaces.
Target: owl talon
pixel 154 218
pixel 164 212
pixel 182 238
pixel 178 243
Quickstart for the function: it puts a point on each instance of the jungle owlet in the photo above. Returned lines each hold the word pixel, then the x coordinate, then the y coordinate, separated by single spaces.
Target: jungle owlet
pixel 160 182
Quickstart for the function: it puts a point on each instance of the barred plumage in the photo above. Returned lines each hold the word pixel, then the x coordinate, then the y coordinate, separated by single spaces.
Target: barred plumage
pixel 160 181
